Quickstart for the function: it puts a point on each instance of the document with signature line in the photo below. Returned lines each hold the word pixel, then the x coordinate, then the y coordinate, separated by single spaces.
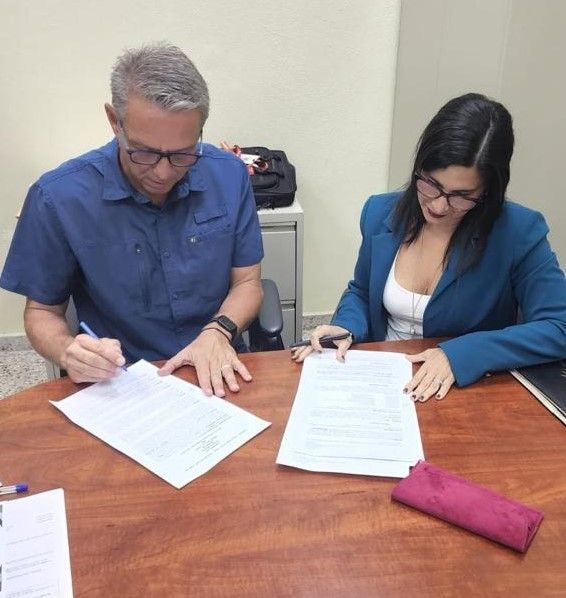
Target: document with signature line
pixel 353 417
pixel 166 424
pixel 34 548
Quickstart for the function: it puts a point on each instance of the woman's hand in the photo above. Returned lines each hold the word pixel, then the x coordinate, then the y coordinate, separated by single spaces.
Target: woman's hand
pixel 298 354
pixel 434 377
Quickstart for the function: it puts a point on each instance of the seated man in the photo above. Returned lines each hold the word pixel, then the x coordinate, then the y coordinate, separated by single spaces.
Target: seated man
pixel 155 236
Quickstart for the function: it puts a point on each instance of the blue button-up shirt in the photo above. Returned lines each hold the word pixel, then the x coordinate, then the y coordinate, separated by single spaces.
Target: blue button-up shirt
pixel 151 277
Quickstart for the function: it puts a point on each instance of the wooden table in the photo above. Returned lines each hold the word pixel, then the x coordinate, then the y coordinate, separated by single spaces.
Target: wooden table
pixel 252 528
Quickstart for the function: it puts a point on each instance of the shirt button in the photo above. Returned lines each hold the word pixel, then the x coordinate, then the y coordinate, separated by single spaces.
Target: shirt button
pixel 174 296
pixel 166 254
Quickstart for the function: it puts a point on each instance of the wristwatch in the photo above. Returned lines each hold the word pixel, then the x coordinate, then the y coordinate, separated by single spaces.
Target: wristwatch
pixel 226 323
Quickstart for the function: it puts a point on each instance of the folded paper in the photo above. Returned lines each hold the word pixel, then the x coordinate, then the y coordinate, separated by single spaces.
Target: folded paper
pixel 468 505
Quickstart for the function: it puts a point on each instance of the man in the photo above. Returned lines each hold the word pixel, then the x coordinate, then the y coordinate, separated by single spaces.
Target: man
pixel 154 235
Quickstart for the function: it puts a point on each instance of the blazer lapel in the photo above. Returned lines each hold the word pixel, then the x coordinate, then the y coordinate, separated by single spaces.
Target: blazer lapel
pixel 384 246
pixel 440 312
pixel 448 277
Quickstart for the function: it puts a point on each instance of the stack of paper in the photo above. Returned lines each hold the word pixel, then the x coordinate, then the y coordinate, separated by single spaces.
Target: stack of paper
pixel 353 417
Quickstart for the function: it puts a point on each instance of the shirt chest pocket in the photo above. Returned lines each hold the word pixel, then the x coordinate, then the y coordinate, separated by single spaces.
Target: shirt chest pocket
pixel 207 253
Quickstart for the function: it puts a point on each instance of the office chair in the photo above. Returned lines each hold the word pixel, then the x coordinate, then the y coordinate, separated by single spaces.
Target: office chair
pixel 264 333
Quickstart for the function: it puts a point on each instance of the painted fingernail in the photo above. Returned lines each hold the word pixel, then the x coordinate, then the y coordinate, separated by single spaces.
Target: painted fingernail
pixel 405 390
pixel 413 396
pixel 421 399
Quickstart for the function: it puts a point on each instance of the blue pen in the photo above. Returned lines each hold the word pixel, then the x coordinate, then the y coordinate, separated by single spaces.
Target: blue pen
pixel 86 328
pixel 15 489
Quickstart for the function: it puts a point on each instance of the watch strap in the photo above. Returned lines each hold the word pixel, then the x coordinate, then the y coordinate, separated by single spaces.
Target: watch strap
pixel 226 324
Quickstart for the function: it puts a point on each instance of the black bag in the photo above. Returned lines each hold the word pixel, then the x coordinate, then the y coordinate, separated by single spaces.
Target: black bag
pixel 275 185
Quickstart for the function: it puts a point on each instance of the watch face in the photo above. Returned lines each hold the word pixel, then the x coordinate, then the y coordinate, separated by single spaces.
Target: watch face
pixel 227 324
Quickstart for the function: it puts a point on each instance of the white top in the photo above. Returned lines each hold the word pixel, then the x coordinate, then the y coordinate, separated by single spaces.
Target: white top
pixel 401 305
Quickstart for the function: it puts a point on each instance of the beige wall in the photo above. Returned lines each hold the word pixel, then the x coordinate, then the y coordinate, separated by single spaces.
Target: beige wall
pixel 512 50
pixel 314 78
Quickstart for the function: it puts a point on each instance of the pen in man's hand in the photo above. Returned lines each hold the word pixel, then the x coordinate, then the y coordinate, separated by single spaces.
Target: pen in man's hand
pixel 323 339
pixel 15 489
pixel 86 328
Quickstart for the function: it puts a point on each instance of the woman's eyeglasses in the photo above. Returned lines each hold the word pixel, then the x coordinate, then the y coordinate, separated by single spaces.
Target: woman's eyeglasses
pixel 431 190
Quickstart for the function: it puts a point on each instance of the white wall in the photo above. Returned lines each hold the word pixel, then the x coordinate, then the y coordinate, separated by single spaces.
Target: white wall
pixel 314 78
pixel 511 50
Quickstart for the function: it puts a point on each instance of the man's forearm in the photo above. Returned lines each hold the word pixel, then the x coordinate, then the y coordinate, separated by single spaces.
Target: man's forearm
pixel 47 331
pixel 242 303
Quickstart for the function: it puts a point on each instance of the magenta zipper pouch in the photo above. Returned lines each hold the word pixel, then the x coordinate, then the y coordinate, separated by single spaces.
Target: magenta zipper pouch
pixel 468 505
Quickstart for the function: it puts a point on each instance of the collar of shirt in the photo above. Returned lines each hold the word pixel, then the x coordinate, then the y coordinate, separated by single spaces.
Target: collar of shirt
pixel 117 187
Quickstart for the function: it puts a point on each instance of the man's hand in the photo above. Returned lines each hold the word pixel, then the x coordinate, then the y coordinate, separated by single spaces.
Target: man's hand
pixel 434 377
pixel 298 354
pixel 214 360
pixel 88 359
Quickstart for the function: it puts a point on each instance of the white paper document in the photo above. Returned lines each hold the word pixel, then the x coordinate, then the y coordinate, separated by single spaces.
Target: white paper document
pixel 168 425
pixel 353 417
pixel 34 548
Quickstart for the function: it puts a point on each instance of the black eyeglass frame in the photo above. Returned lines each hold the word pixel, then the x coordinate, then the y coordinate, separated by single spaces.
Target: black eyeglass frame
pixel 419 176
pixel 159 155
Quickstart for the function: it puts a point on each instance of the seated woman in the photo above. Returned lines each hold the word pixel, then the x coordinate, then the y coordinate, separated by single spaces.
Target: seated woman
pixel 451 257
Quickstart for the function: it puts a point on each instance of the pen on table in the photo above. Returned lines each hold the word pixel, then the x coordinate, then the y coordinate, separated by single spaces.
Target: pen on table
pixel 86 328
pixel 15 489
pixel 323 339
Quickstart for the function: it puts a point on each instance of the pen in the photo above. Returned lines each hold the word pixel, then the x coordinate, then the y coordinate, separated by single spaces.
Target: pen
pixel 323 339
pixel 15 489
pixel 86 328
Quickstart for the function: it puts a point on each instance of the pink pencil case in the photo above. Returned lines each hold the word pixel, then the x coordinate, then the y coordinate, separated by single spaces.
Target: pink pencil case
pixel 461 502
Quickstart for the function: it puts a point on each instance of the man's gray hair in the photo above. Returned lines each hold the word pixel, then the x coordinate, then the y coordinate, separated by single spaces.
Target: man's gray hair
pixel 160 73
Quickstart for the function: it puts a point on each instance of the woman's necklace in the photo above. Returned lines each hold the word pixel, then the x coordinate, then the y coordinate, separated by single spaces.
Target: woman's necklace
pixel 415 305
pixel 413 327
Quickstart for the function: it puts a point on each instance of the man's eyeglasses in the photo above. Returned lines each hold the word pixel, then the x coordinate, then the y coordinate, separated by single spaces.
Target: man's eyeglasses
pixel 153 157
pixel 432 190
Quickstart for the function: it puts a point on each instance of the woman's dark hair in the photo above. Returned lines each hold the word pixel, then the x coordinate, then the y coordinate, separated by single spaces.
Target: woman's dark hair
pixel 470 130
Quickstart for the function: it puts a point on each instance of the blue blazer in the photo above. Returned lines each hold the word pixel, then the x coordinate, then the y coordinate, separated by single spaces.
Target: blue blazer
pixel 518 270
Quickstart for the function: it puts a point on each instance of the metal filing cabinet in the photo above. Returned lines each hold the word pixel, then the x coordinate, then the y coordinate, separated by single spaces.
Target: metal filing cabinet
pixel 282 234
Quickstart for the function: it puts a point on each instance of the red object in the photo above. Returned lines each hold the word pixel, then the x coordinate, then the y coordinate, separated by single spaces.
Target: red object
pixel 237 150
pixel 466 504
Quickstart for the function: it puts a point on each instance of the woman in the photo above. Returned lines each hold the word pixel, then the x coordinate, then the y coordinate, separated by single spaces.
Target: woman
pixel 451 257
